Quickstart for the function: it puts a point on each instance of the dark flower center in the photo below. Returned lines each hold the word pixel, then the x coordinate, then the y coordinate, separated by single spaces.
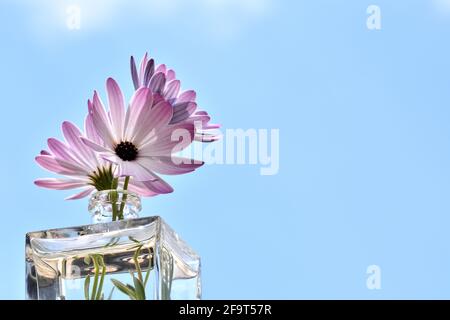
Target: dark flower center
pixel 126 151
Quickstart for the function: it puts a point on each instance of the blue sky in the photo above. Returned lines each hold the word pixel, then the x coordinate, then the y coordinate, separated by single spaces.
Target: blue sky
pixel 363 115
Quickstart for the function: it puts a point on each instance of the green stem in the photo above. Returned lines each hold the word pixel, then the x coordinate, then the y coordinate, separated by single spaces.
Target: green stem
pixel 124 197
pixel 102 278
pixel 114 197
pixel 137 264
pixel 150 262
pixel 86 287
pixel 94 287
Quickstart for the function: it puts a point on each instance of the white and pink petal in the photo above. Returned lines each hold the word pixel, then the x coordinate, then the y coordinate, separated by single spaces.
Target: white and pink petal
pixel 140 189
pixel 59 166
pixel 81 194
pixel 61 184
pixel 170 165
pixel 101 122
pixel 116 106
pixel 158 186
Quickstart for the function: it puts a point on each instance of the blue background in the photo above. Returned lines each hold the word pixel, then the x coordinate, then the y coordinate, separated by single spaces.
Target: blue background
pixel 364 136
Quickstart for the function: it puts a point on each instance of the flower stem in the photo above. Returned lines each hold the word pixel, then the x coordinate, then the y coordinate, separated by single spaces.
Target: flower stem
pixel 114 197
pixel 101 262
pixel 124 197
pixel 97 271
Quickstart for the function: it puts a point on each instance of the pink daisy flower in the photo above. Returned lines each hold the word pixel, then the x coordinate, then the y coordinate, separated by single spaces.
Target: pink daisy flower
pixel 81 167
pixel 140 140
pixel 161 80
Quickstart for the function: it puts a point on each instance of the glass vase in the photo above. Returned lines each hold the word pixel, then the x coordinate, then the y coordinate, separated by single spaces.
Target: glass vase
pixel 134 258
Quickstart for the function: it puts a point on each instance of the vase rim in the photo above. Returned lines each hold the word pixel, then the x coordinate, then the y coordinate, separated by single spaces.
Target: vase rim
pixel 97 194
pixel 104 205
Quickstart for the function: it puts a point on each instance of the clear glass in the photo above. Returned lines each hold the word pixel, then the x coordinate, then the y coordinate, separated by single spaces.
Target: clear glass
pixel 127 259
pixel 103 205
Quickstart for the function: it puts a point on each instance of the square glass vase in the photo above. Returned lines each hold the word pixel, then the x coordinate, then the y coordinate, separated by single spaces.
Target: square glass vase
pixel 138 259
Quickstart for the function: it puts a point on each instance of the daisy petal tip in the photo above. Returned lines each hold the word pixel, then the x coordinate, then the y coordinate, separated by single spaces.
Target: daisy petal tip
pixel 67 125
pixel 44 153
pixel 165 189
pixel 111 82
pixel 50 140
pixel 170 190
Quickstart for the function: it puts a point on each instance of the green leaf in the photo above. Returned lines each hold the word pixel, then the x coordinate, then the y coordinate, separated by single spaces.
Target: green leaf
pixel 87 260
pixel 139 289
pixel 129 286
pixel 86 287
pixel 147 275
pixel 126 289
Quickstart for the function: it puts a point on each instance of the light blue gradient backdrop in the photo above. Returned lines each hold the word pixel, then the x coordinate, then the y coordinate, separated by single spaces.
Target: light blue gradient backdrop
pixel 364 119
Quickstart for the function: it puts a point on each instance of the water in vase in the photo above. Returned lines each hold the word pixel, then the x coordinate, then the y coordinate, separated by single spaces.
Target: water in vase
pixel 129 259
